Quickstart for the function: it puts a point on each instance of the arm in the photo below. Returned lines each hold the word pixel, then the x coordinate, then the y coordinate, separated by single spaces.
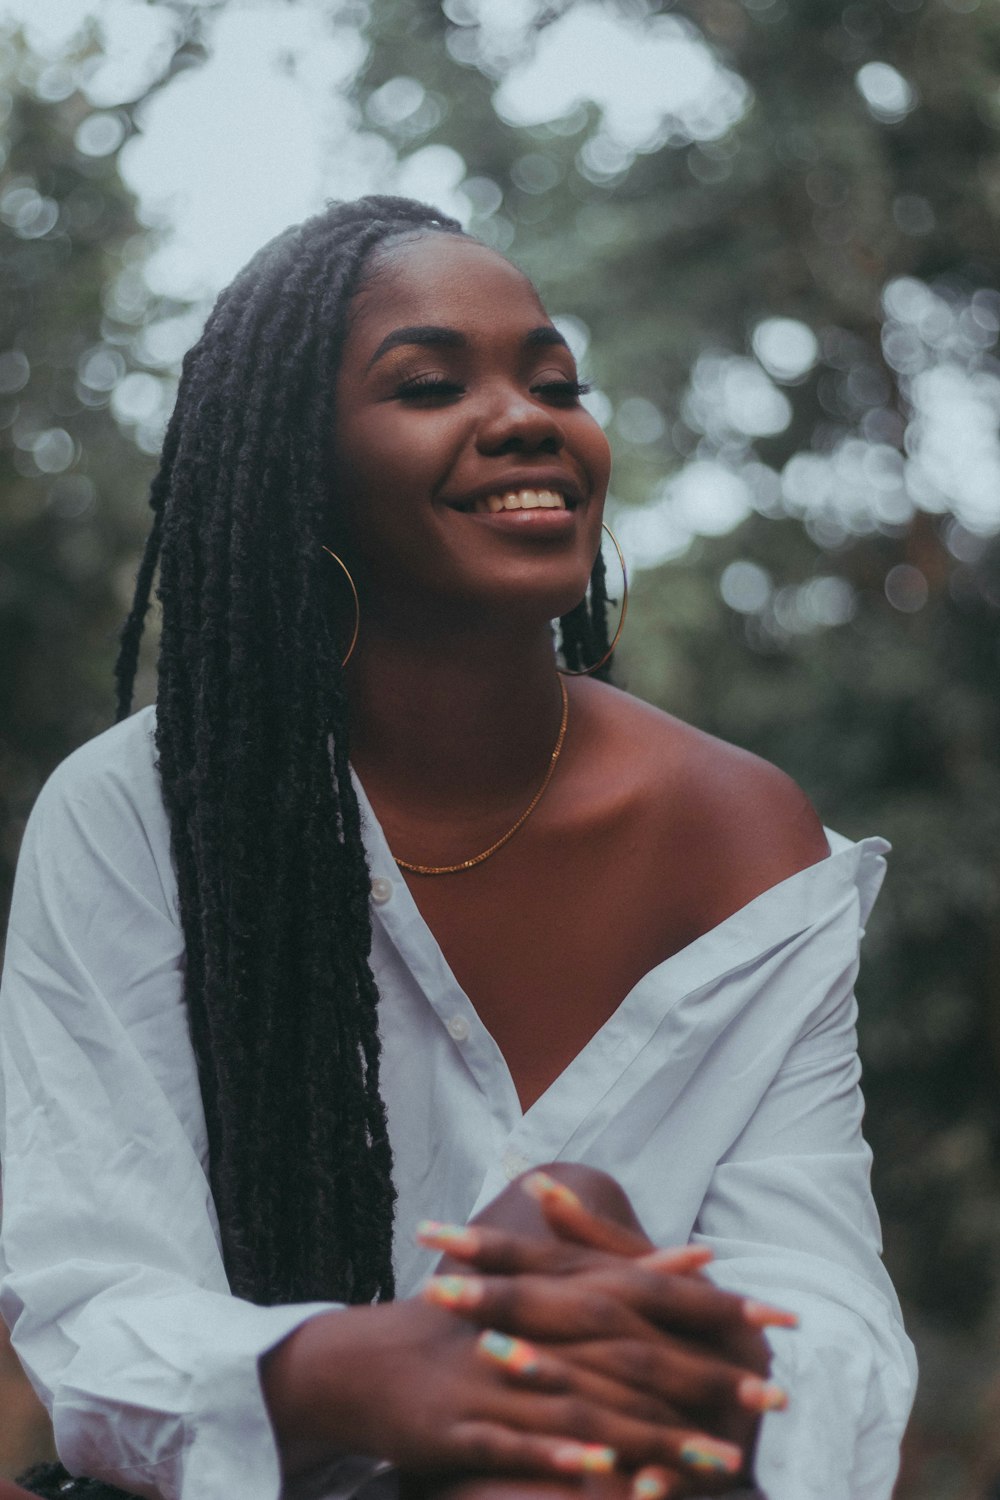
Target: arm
pixel 789 1214
pixel 787 1209
pixel 114 1287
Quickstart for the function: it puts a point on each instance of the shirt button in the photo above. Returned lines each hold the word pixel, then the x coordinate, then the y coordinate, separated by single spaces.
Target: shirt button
pixel 458 1028
pixel 381 890
pixel 514 1164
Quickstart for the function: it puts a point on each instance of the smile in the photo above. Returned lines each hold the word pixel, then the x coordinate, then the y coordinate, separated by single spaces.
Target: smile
pixel 492 505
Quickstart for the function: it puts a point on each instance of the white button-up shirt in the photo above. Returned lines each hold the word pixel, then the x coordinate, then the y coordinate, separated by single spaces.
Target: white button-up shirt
pixel 722 1094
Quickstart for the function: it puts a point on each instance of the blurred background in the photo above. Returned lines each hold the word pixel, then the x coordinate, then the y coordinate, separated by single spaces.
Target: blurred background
pixel 771 229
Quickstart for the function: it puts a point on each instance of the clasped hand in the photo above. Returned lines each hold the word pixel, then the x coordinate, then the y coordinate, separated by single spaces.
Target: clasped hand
pixel 611 1354
pixel 578 1350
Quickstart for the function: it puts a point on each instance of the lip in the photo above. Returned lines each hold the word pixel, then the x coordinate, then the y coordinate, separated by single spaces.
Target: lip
pixel 539 523
pixel 527 479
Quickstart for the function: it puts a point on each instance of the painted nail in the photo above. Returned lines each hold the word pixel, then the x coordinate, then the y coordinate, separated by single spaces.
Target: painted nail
pixel 711 1457
pixel 547 1190
pixel 761 1395
pixel 458 1238
pixel 454 1291
pixel 651 1484
pixel 676 1262
pixel 516 1355
pixel 584 1458
pixel 761 1315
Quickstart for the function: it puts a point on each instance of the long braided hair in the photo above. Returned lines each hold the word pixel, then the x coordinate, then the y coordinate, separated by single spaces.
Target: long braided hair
pixel 252 738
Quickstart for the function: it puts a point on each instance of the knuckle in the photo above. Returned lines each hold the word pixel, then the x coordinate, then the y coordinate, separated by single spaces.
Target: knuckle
pixel 719 1385
pixel 485 1445
pixel 644 1409
pixel 642 1364
pixel 577 1419
pixel 503 1299
pixel 604 1313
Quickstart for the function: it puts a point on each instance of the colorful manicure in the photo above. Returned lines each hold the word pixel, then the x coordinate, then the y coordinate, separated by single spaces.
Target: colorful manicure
pixel 547 1190
pixel 584 1458
pixel 761 1395
pixel 515 1355
pixel 710 1457
pixel 454 1291
pixel 458 1239
pixel 677 1262
pixel 651 1484
pixel 761 1315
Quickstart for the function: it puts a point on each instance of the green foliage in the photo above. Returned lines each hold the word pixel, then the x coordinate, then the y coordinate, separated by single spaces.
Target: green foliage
pixel 73 480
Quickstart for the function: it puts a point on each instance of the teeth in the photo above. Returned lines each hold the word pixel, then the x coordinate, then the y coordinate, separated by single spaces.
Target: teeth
pixel 520 500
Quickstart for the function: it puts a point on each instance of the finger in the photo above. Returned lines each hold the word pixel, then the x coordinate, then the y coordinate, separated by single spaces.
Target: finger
pixel 530 1367
pixel 679 1262
pixel 655 1483
pixel 521 1361
pixel 504 1253
pixel 637 1442
pixel 459 1240
pixel 549 1308
pixel 630 1301
pixel 493 1448
pixel 673 1372
pixel 497 1250
pixel 568 1215
pixel 763 1315
pixel 691 1303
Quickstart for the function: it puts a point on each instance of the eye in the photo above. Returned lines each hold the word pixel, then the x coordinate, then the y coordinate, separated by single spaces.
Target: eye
pixel 562 390
pixel 429 385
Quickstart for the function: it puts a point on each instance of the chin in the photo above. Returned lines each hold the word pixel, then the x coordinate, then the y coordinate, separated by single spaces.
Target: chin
pixel 537 603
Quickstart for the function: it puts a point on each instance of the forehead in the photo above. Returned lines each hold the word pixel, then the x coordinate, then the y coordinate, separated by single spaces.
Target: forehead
pixel 444 279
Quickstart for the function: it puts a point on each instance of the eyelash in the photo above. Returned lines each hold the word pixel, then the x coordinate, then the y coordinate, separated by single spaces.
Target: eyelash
pixel 434 385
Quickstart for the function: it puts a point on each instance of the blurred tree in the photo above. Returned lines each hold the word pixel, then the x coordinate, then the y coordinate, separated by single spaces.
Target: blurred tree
pixel 81 399
pixel 80 402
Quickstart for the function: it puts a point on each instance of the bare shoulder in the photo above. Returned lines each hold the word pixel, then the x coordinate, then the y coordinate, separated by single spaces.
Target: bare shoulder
pixel 741 822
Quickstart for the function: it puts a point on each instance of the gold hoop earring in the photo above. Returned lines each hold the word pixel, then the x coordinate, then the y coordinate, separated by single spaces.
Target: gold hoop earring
pixel 586 671
pixel 357 605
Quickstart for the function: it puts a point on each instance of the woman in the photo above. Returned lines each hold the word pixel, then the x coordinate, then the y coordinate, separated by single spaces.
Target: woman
pixel 389 915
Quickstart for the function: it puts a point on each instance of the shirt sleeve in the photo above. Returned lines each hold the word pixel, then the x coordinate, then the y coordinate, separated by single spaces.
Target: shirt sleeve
pixel 113 1282
pixel 790 1214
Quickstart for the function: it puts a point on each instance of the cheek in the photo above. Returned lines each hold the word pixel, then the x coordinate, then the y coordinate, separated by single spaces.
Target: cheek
pixel 598 457
pixel 383 476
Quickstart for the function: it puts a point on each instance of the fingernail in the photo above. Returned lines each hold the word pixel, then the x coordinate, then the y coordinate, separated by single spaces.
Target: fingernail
pixel 711 1457
pixel 650 1484
pixel 584 1458
pixel 541 1187
pixel 454 1291
pixel 761 1315
pixel 514 1354
pixel 761 1395
pixel 455 1237
pixel 685 1258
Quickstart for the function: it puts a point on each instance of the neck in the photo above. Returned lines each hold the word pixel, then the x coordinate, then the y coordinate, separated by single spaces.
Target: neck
pixel 455 728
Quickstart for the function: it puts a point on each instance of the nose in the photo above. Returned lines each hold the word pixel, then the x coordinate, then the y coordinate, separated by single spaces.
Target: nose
pixel 515 421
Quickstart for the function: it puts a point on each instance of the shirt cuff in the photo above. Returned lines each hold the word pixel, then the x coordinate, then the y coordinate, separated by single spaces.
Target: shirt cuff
pixel 213 1437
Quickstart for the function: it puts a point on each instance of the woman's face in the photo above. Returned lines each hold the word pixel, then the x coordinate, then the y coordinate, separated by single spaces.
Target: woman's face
pixel 469 477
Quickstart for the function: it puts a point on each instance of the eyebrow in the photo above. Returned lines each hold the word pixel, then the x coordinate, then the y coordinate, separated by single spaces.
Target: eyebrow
pixel 437 335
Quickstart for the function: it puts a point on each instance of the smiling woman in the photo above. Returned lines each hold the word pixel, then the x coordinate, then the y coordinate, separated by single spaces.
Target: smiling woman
pixel 250 1046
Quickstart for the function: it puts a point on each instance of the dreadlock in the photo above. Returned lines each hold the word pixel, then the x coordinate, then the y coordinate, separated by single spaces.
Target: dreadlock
pixel 253 755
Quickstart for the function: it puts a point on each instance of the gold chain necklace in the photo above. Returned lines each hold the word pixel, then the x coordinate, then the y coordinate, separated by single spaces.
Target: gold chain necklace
pixel 477 859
